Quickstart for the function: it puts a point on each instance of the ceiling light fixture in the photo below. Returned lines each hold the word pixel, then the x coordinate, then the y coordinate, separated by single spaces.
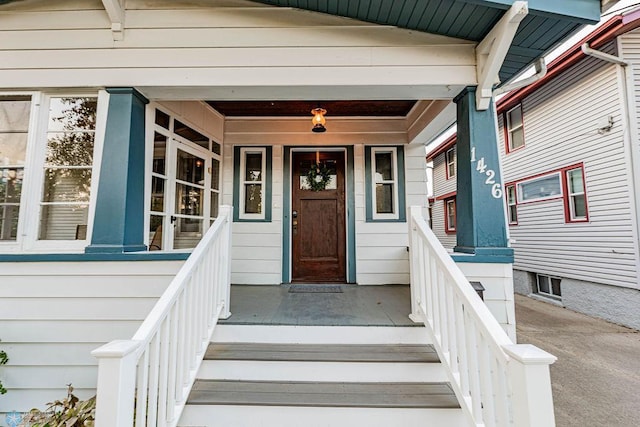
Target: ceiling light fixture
pixel 318 120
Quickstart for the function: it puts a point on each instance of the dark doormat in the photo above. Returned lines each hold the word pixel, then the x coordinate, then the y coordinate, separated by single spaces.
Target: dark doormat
pixel 316 289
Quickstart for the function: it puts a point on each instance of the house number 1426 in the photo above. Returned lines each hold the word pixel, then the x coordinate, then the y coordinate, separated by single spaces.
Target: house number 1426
pixel 481 167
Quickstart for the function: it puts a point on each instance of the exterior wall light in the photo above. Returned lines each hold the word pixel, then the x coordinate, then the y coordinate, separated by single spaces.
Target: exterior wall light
pixel 318 120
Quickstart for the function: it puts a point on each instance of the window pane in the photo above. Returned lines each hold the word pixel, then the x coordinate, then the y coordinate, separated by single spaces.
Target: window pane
pixel 517 138
pixel 188 200
pixel 513 213
pixel 575 181
pixel 155 233
pixel 253 167
pixel 190 134
pixel 555 287
pixel 66 185
pixel 190 168
pixel 63 222
pixel 384 167
pixel 384 198
pixel 511 195
pixel 70 114
pixel 579 206
pixel 215 174
pixel 70 149
pixel 515 118
pixel 162 119
pixel 213 212
pixel 157 194
pixel 14 114
pixel 159 153
pixel 187 233
pixel 215 147
pixel 253 198
pixel 543 284
pixel 9 222
pixel 548 186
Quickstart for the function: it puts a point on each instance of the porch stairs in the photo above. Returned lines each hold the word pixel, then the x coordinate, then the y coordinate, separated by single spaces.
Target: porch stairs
pixel 286 376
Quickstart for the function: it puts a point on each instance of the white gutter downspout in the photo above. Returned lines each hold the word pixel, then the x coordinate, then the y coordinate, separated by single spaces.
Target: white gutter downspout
pixel 629 139
pixel 541 71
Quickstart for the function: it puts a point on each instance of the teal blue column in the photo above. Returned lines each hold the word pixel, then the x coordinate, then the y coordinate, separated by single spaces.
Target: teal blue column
pixel 119 219
pixel 480 224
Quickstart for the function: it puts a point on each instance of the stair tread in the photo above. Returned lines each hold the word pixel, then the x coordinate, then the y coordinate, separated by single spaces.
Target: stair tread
pixel 323 394
pixel 419 353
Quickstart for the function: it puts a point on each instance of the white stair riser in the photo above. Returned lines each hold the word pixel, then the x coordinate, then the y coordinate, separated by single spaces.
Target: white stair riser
pixel 321 371
pixel 320 334
pixel 278 416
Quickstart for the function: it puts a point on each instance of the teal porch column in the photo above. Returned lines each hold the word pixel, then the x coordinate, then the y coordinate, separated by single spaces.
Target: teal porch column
pixel 480 218
pixel 119 219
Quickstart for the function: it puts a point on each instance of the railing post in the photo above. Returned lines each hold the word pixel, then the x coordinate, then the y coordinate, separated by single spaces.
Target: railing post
pixel 116 383
pixel 226 261
pixel 530 381
pixel 414 267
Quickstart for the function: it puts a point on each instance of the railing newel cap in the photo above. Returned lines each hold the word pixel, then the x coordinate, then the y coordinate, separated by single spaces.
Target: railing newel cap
pixel 116 349
pixel 529 354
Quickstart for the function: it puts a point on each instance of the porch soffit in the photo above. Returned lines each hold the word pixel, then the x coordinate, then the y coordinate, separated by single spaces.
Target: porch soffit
pixel 549 22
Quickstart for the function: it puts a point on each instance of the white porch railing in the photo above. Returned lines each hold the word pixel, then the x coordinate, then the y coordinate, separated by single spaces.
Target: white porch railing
pixel 150 376
pixel 497 382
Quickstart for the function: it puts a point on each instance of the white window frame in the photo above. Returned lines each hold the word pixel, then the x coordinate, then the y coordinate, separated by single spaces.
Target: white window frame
pixel 549 294
pixel 33 187
pixel 510 129
pixel 520 195
pixel 243 154
pixel 394 161
pixel 571 195
pixel 450 162
pixel 512 204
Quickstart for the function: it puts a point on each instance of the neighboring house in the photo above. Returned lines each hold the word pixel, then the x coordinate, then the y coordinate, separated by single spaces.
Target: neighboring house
pixel 128 127
pixel 570 152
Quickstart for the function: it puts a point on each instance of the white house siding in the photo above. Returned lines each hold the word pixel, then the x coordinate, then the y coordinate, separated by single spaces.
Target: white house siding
pixel 441 186
pixel 63 310
pixel 561 128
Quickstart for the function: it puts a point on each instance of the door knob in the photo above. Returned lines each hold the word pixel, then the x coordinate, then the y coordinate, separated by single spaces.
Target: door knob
pixel 294 214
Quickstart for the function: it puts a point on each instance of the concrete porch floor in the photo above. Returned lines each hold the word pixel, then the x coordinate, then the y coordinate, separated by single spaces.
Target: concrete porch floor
pixel 387 305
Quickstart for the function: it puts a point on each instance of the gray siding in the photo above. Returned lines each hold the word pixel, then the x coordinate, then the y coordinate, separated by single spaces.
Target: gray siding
pixel 561 129
pixel 441 185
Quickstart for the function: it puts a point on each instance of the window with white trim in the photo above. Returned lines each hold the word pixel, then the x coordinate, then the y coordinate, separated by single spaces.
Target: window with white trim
pixel 576 197
pixel 515 128
pixel 450 159
pixel 512 207
pixel 450 215
pixel 548 286
pixel 252 183
pixel 540 188
pixel 384 180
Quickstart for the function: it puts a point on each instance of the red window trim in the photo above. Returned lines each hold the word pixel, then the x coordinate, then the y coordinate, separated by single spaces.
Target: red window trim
pixel 564 186
pixel 515 195
pixel 447 229
pixel 506 129
pixel 446 163
pixel 565 189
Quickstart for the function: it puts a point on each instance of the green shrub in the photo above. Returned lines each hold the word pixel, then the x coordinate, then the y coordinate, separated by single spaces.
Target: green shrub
pixel 3 361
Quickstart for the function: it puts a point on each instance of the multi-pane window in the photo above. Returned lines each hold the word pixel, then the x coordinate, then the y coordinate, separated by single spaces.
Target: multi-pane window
pixel 68 167
pixel 14 128
pixel 450 159
pixel 548 286
pixel 515 128
pixel 252 185
pixel 576 199
pixel 512 208
pixel 450 215
pixel 385 183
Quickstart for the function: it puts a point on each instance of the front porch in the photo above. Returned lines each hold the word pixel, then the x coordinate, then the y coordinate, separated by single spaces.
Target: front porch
pixel 387 305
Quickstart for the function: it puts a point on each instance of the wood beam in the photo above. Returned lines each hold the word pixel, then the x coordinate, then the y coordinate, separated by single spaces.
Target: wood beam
pixel 115 10
pixel 491 52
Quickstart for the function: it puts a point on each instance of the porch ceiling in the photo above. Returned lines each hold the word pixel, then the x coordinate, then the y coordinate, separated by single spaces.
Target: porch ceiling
pixel 303 108
pixel 548 22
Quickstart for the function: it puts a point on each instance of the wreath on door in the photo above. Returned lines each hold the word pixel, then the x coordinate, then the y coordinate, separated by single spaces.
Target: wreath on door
pixel 318 176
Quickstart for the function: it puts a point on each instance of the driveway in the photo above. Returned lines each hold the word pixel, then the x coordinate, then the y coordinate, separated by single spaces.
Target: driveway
pixel 596 380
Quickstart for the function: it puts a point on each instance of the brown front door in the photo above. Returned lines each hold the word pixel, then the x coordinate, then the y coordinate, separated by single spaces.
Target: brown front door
pixel 318 219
